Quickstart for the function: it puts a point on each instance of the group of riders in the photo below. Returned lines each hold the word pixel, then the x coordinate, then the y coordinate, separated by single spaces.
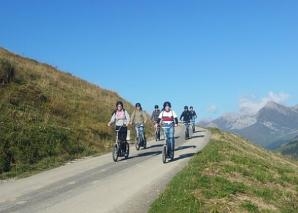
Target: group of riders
pixel 166 119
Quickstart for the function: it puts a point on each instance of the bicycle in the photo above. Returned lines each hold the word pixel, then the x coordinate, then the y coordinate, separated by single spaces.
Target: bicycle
pixel 120 148
pixel 193 125
pixel 186 124
pixel 157 133
pixel 141 141
pixel 167 152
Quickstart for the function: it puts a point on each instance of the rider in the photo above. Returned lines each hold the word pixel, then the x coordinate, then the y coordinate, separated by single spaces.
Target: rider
pixel 168 118
pixel 186 115
pixel 193 116
pixel 121 118
pixel 138 118
pixel 154 117
pixel 155 114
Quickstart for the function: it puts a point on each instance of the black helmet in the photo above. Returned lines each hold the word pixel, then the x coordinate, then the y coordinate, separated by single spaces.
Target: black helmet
pixel 119 103
pixel 185 107
pixel 138 105
pixel 167 103
pixel 156 107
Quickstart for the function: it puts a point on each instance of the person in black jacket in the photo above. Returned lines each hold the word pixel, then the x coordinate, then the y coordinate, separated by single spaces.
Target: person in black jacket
pixel 193 118
pixel 154 119
pixel 186 115
pixel 185 118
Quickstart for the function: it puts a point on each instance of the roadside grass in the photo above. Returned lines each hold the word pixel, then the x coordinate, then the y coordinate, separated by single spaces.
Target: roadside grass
pixel 232 175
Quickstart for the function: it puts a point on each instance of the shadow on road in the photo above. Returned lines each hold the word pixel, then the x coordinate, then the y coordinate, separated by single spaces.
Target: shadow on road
pixel 144 154
pixel 153 146
pixel 198 136
pixel 180 157
pixel 184 147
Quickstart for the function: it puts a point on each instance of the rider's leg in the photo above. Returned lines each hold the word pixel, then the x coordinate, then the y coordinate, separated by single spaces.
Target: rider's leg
pixel 171 140
pixel 137 132
pixel 119 134
pixel 193 122
pixel 167 138
pixel 122 136
pixel 144 134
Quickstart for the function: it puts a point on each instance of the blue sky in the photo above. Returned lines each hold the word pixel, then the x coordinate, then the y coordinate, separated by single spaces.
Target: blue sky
pixel 215 55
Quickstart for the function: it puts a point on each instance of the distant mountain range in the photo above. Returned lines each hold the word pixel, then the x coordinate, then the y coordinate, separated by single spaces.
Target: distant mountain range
pixel 272 126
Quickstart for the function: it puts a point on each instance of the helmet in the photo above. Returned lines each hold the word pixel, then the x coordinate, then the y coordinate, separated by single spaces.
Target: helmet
pixel 156 107
pixel 138 105
pixel 119 103
pixel 190 107
pixel 185 107
pixel 167 103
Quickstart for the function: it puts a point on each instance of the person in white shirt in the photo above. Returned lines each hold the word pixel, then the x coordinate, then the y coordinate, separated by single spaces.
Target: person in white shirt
pixel 169 120
pixel 121 119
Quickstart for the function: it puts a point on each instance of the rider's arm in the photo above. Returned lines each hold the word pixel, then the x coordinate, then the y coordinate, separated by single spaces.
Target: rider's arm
pixel 176 120
pixel 181 116
pixel 113 118
pixel 159 118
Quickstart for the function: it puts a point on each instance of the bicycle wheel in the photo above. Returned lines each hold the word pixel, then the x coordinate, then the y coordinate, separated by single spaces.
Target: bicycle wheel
pixel 187 130
pixel 143 141
pixel 164 154
pixel 126 150
pixel 186 134
pixel 115 152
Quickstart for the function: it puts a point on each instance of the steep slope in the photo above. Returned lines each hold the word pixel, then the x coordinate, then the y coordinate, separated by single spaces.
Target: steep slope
pixel 48 116
pixel 290 148
pixel 232 175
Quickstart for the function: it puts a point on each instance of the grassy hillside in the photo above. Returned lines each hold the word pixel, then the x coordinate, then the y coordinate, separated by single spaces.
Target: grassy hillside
pixel 289 149
pixel 232 175
pixel 48 117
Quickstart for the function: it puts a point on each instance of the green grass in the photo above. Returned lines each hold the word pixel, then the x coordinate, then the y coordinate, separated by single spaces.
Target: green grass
pixel 232 175
pixel 289 149
pixel 49 117
pixel 250 207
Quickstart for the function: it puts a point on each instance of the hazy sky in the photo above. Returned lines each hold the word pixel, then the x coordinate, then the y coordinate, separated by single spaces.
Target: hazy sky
pixel 217 55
